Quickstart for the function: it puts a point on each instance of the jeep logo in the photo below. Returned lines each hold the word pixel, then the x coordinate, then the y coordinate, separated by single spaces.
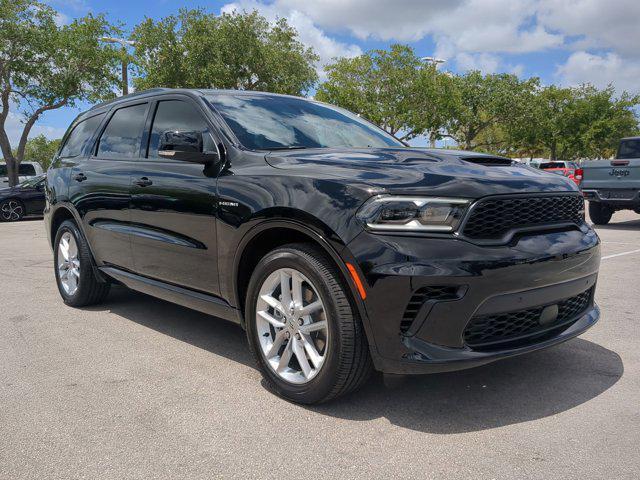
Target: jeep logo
pixel 619 172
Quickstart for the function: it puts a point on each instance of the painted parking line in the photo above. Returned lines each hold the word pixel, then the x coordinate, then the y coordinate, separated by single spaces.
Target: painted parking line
pixel 621 254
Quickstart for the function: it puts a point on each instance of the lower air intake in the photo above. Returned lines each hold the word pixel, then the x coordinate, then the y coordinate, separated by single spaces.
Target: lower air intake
pixel 521 327
pixel 422 295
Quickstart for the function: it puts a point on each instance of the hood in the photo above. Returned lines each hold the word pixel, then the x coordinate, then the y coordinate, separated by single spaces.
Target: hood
pixel 422 171
pixel 9 190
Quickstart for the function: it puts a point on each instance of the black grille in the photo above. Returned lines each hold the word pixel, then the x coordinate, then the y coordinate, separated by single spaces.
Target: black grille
pixel 491 331
pixel 494 217
pixel 437 292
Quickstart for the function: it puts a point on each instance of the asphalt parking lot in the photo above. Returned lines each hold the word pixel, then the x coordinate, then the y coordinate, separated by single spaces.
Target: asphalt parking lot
pixel 140 388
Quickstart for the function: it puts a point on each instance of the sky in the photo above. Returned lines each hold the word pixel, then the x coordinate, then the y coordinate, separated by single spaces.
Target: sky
pixel 566 42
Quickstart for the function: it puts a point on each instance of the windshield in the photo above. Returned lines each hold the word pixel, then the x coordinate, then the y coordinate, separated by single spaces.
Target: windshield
pixel 270 122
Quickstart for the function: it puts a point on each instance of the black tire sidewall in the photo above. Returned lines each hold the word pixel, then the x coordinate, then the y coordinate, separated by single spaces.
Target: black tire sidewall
pixel 86 269
pixel 322 384
pixel 599 214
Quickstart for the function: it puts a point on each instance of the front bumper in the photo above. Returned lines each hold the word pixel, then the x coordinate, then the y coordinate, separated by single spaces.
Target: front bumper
pixel 537 270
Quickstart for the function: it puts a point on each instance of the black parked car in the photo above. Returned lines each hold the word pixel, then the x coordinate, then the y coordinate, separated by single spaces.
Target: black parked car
pixel 26 198
pixel 336 246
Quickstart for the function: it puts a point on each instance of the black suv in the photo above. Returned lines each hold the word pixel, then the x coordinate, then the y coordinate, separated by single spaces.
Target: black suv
pixel 338 248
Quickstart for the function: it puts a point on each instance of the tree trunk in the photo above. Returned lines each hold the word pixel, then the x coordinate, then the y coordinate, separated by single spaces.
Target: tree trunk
pixel 12 171
pixel 432 139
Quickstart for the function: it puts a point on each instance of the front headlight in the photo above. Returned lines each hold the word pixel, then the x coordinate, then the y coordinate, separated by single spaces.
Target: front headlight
pixel 413 214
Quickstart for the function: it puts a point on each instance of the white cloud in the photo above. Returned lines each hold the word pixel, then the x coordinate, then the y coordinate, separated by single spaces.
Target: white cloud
pixel 484 62
pixel 62 19
pixel 14 127
pixel 476 34
pixel 404 20
pixel 611 24
pixel 326 47
pixel 601 70
pixel 457 26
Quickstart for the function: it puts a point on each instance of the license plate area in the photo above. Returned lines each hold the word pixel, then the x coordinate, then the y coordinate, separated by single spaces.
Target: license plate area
pixel 618 194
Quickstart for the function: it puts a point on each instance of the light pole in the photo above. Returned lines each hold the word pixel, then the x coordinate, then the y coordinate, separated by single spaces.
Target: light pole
pixel 125 65
pixel 434 60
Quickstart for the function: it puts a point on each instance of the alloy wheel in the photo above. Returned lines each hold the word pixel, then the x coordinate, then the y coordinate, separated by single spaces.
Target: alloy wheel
pixel 291 323
pixel 11 210
pixel 68 263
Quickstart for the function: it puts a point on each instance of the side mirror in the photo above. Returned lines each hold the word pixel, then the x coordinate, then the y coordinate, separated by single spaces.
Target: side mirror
pixel 40 187
pixel 185 146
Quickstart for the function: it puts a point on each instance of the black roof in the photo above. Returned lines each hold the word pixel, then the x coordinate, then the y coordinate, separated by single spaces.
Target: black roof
pixel 201 91
pixel 123 98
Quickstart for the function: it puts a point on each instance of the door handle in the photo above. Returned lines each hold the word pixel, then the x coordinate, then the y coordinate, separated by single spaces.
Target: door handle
pixel 80 177
pixel 143 182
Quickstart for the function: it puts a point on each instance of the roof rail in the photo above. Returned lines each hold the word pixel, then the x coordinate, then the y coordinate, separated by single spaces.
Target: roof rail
pixel 130 95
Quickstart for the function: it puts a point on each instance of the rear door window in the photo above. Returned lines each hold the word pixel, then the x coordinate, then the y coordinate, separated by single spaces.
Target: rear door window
pixel 122 136
pixel 79 136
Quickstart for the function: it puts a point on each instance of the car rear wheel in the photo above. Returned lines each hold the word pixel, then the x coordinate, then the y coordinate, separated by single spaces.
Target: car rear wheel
pixel 305 336
pixel 11 210
pixel 600 214
pixel 74 268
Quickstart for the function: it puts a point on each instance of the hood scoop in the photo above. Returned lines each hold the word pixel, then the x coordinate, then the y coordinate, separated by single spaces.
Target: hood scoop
pixel 489 161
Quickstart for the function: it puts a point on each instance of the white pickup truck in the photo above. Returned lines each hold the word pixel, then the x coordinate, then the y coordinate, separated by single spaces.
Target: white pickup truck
pixel 612 185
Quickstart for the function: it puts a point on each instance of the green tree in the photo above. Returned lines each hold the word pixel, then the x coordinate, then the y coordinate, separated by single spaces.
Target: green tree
pixel 44 66
pixel 601 119
pixel 240 51
pixel 40 149
pixel 393 89
pixel 484 101
pixel 570 123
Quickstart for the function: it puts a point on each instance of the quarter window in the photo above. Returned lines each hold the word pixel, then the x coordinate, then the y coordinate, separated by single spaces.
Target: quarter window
pixel 123 134
pixel 79 136
pixel 176 115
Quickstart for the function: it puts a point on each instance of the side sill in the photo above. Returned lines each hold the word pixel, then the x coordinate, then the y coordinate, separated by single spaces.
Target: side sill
pixel 201 302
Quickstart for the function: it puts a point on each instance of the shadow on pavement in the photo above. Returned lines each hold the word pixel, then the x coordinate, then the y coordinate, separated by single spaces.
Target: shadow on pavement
pixel 627 225
pixel 512 391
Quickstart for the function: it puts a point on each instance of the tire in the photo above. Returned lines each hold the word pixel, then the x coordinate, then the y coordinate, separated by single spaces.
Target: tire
pixel 346 362
pixel 11 210
pixel 600 214
pixel 89 289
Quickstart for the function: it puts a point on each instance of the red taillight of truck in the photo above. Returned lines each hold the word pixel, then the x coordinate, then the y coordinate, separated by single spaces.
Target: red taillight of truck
pixel 578 175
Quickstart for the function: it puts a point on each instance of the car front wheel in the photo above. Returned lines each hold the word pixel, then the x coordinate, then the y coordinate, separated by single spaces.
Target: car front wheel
pixel 302 329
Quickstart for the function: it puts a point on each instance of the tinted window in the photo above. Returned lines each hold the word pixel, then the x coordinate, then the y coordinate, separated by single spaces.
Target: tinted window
pixel 79 136
pixel 26 169
pixel 177 115
pixel 547 165
pixel 266 122
pixel 123 134
pixel 23 169
pixel 629 149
